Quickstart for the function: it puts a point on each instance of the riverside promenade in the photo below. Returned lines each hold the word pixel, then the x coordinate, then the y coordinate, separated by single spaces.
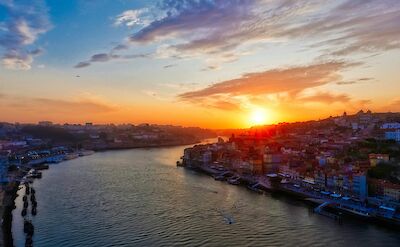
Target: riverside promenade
pixel 321 199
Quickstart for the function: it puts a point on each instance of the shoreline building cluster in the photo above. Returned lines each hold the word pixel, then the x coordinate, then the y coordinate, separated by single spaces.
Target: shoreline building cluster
pixel 347 157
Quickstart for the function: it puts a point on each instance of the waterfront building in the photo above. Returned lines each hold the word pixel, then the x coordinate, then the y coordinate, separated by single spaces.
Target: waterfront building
pixel 256 165
pixel 393 135
pixel 394 125
pixel 360 186
pixel 384 189
pixel 320 179
pixel 207 157
pixel 375 159
pixel 4 166
pixel 289 171
pixel 392 191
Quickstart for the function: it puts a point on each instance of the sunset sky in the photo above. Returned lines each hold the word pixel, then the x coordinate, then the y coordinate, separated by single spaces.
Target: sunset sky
pixel 208 63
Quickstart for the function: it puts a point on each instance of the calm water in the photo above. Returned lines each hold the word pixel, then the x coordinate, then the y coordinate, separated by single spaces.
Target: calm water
pixel 140 198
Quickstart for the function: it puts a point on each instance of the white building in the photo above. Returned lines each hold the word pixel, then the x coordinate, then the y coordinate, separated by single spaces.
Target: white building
pixel 393 135
pixel 390 126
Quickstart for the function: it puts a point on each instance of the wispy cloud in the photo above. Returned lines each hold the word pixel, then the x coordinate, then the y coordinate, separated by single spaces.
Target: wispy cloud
pixel 360 80
pixel 273 87
pixel 86 105
pixel 325 98
pixel 221 31
pixel 132 18
pixel 289 80
pixel 25 22
pixel 221 26
pixel 105 57
pixel 169 66
pixel 393 105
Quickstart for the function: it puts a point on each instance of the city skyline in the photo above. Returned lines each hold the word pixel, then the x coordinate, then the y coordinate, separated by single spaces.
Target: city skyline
pixel 214 64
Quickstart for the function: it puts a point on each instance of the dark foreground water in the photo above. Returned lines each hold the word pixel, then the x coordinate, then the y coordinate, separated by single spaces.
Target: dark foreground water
pixel 140 198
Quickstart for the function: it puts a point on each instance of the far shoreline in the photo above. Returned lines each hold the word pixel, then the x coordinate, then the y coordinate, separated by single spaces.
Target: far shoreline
pixel 12 188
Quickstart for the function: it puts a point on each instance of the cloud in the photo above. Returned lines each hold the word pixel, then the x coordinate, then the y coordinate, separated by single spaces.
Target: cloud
pixel 105 57
pixel 82 65
pixel 169 66
pixel 326 98
pixel 88 105
pixel 365 79
pixel 221 31
pixel 393 105
pixel 219 26
pixel 131 18
pixel 102 57
pixel 358 26
pixel 206 26
pixel 120 47
pixel 289 80
pixel 25 22
pixel 281 88
pixel 225 105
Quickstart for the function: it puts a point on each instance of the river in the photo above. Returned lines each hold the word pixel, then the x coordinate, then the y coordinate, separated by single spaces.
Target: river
pixel 139 197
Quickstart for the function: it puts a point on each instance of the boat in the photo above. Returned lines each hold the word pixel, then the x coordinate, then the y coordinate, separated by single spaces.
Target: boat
pixel 41 167
pixel 55 159
pixel 219 178
pixel 34 212
pixel 234 181
pixel 25 204
pixel 85 152
pixel 254 188
pixel 353 211
pixel 25 198
pixel 71 156
pixel 36 174
pixel 28 227
pixel 23 212
pixel 28 241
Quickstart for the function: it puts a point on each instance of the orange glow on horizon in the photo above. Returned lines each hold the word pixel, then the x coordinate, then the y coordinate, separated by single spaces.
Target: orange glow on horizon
pixel 259 116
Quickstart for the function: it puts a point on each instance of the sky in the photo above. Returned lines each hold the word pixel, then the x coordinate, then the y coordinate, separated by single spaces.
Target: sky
pixel 207 63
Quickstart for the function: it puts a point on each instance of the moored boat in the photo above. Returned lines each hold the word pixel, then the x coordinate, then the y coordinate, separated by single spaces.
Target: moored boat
pixel 34 212
pixel 71 156
pixel 234 181
pixel 219 178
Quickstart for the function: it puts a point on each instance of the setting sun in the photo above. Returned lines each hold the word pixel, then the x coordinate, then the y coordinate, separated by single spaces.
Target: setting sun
pixel 258 117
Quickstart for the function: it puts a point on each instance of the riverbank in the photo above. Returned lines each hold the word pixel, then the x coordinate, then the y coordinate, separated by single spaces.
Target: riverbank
pixel 324 204
pixel 10 194
pixel 149 145
pixel 139 198
pixel 8 206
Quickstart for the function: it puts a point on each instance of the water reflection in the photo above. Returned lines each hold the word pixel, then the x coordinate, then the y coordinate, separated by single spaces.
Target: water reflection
pixel 140 198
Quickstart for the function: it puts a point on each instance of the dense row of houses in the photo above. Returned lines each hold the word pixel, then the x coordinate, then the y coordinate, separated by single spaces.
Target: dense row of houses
pixel 312 154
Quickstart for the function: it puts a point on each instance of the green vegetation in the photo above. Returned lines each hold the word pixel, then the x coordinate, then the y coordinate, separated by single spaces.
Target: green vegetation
pixel 48 132
pixel 384 171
